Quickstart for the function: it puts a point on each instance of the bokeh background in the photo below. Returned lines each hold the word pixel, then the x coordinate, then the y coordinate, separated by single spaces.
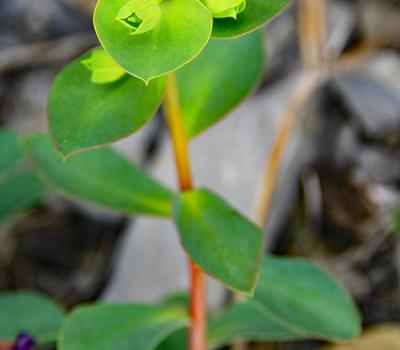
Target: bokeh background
pixel 324 128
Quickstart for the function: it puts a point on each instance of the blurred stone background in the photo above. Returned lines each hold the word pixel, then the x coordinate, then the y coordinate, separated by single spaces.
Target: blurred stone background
pixel 338 185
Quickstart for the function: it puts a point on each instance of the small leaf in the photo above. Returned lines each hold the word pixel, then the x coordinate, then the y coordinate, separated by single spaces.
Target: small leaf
pixel 256 14
pixel 84 115
pixel 140 16
pixel 305 299
pixel 30 313
pixel 225 8
pixel 218 239
pixel 104 69
pixel 122 326
pixel 103 177
pixel 216 81
pixel 183 30
pixel 246 322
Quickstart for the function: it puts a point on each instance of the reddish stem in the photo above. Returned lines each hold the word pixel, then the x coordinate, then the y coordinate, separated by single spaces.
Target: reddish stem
pixel 197 308
pixel 197 332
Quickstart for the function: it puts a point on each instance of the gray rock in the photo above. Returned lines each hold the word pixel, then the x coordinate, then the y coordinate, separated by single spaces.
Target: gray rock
pixel 341 22
pixel 379 165
pixel 375 108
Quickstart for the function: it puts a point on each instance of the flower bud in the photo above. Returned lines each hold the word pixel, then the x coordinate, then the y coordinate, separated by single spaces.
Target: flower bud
pixel 140 16
pixel 104 69
pixel 225 8
pixel 23 342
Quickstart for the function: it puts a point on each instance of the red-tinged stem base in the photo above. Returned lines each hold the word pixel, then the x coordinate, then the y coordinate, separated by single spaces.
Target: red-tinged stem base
pixel 197 309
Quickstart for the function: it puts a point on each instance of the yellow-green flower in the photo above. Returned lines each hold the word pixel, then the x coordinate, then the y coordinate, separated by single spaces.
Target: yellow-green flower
pixel 104 69
pixel 140 16
pixel 225 8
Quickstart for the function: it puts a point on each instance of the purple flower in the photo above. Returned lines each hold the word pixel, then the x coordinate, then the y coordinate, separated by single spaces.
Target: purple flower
pixel 23 342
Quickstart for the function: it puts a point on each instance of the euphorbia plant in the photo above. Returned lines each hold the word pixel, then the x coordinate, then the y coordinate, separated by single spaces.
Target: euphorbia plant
pixel 199 60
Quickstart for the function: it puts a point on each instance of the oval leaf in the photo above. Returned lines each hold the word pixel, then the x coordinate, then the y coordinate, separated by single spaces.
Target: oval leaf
pixel 246 322
pixel 122 326
pixel 31 313
pixel 182 32
pixel 218 239
pixel 216 81
pixel 101 176
pixel 84 114
pixel 306 299
pixel 256 14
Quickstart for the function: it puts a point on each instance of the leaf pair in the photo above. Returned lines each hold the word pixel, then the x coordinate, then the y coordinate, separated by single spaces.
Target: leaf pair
pixel 97 327
pixel 295 300
pixel 84 114
pixel 168 38
pixel 220 240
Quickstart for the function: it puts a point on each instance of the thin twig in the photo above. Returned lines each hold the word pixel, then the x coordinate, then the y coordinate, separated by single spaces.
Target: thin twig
pixel 312 34
pixel 305 86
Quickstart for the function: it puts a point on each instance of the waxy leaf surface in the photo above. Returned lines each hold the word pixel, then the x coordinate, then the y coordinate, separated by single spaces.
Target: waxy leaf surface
pixel 218 239
pixel 30 313
pixel 256 14
pixel 306 300
pixel 102 177
pixel 83 114
pixel 183 30
pixel 219 79
pixel 123 326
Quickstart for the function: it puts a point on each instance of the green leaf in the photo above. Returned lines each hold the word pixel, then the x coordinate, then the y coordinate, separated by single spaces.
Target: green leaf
pixel 176 341
pixel 122 326
pixel 218 239
pixel 101 176
pixel 218 79
pixel 180 35
pixel 256 14
pixel 31 313
pixel 19 187
pixel 19 192
pixel 246 322
pixel 104 69
pixel 10 150
pixel 306 300
pixel 84 115
pixel 240 322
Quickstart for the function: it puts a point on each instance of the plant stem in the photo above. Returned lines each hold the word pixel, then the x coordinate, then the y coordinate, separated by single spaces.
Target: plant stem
pixel 197 309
